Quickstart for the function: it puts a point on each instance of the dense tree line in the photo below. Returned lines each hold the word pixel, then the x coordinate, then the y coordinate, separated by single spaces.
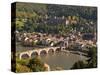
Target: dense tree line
pixel 90 63
pixel 31 17
pixel 62 10
pixel 33 9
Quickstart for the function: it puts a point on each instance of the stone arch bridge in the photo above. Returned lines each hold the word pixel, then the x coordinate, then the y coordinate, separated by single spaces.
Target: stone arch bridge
pixel 38 52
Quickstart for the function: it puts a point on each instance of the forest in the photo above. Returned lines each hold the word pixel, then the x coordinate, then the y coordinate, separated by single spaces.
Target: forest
pixel 37 17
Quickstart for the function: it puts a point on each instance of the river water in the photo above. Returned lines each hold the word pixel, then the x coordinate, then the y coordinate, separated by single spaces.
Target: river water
pixel 62 60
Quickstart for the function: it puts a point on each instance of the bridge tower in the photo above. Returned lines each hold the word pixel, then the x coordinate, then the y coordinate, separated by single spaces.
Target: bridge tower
pixel 66 44
pixel 81 58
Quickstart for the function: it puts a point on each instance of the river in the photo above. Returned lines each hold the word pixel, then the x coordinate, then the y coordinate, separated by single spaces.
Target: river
pixel 62 60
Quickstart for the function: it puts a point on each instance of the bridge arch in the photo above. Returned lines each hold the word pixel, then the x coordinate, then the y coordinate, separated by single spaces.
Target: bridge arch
pixel 51 50
pixel 57 49
pixel 24 56
pixel 43 52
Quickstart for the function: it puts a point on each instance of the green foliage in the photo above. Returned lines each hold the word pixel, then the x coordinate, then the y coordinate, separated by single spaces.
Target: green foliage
pixel 62 10
pixel 31 17
pixel 79 65
pixel 92 52
pixel 32 9
pixel 22 68
pixel 28 26
pixel 19 25
pixel 23 61
pixel 91 62
pixel 36 65
pixel 30 65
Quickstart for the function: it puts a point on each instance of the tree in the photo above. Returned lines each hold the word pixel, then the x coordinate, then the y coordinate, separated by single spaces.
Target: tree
pixel 21 65
pixel 19 25
pixel 28 26
pixel 22 68
pixel 79 65
pixel 35 64
pixel 92 61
